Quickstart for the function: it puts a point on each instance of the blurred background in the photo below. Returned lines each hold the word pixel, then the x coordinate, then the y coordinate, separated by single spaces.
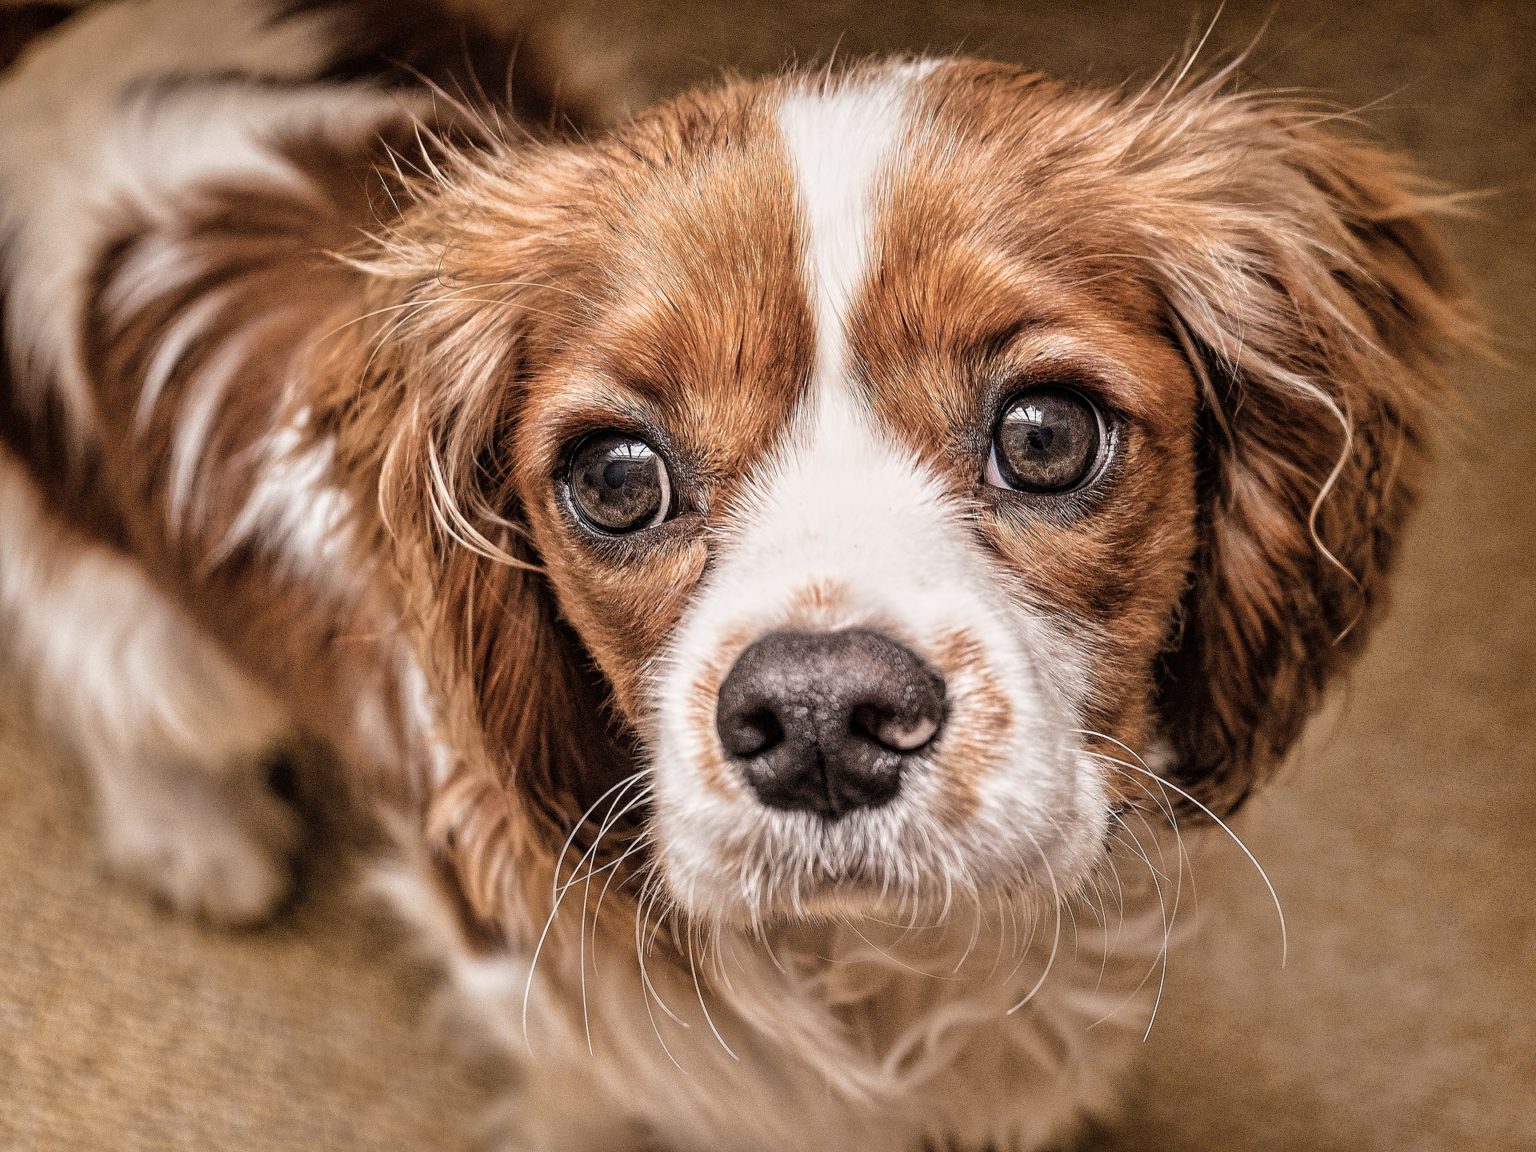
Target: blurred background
pixel 1400 840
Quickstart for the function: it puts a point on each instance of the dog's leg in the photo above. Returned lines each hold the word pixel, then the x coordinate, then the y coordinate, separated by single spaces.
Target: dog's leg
pixel 176 738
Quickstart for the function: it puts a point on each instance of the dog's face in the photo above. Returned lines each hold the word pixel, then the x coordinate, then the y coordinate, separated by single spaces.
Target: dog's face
pixel 928 458
pixel 868 512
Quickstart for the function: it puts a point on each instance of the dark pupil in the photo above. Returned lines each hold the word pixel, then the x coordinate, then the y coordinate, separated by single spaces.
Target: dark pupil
pixel 616 483
pixel 615 473
pixel 1047 441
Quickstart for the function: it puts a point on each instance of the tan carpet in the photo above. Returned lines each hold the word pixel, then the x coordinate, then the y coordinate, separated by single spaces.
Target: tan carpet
pixel 1402 843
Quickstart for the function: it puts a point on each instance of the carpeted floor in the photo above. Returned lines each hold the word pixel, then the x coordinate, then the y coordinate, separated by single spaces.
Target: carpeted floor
pixel 1401 842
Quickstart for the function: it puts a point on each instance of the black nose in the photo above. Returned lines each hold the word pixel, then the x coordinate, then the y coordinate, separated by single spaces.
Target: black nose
pixel 823 722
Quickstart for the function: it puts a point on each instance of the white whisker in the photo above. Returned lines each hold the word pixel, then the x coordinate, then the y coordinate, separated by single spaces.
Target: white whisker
pixel 1217 820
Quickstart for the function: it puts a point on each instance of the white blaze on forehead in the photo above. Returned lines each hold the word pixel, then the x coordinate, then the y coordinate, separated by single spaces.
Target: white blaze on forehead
pixel 839 143
pixel 843 499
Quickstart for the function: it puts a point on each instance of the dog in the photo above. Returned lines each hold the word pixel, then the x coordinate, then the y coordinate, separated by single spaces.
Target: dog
pixel 788 565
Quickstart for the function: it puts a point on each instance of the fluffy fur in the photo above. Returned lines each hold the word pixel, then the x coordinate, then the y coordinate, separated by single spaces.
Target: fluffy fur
pixel 295 351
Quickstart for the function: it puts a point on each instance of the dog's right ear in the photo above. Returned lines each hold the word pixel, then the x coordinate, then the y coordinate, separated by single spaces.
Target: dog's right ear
pixel 467 299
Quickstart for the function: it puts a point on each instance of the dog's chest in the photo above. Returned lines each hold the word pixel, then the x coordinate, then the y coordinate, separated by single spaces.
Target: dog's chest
pixel 853 1043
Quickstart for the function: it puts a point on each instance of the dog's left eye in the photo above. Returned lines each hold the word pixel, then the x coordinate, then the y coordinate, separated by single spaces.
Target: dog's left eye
pixel 1046 440
pixel 618 483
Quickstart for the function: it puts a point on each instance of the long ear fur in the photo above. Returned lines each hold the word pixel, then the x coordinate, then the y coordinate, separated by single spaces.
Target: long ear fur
pixel 1316 305
pixel 458 283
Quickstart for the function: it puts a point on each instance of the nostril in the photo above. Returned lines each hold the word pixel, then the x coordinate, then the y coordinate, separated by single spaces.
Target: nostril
pixel 754 733
pixel 899 734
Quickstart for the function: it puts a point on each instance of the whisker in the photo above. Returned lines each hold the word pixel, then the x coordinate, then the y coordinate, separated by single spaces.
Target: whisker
pixel 586 896
pixel 1217 820
pixel 648 990
pixel 557 894
pixel 620 788
pixel 693 970
pixel 641 842
pixel 970 945
pixel 1160 961
pixel 649 944
pixel 1056 940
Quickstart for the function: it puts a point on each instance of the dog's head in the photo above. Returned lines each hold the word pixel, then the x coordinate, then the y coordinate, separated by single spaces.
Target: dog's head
pixel 904 470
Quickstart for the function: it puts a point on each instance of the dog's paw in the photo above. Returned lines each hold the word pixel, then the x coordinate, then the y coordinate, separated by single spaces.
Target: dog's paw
pixel 221 849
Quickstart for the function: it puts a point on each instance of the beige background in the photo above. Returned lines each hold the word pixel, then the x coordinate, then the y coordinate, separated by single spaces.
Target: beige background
pixel 1401 841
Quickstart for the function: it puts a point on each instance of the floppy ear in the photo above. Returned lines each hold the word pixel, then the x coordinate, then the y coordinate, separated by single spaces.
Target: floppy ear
pixel 459 286
pixel 1315 305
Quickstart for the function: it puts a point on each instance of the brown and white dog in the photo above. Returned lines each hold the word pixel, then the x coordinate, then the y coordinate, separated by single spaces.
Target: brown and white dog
pixel 785 564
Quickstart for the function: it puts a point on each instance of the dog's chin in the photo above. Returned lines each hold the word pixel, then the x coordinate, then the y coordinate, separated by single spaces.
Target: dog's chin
pixel 762 891
pixel 871 900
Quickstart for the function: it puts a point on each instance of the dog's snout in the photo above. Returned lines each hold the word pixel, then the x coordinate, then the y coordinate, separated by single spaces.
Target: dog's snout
pixel 823 722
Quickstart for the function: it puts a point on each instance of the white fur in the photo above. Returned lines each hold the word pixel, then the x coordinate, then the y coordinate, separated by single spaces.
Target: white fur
pixel 296 512
pixel 179 338
pixel 814 1037
pixel 88 148
pixel 173 734
pixel 838 143
pixel 196 416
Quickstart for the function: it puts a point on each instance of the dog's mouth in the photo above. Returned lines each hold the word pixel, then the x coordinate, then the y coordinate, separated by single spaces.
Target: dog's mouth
pixel 893 863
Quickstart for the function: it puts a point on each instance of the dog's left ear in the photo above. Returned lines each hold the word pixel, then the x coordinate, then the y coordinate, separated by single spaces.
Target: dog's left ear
pixel 1316 306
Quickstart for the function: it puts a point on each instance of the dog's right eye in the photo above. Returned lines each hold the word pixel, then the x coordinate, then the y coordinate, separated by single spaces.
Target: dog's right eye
pixel 618 483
